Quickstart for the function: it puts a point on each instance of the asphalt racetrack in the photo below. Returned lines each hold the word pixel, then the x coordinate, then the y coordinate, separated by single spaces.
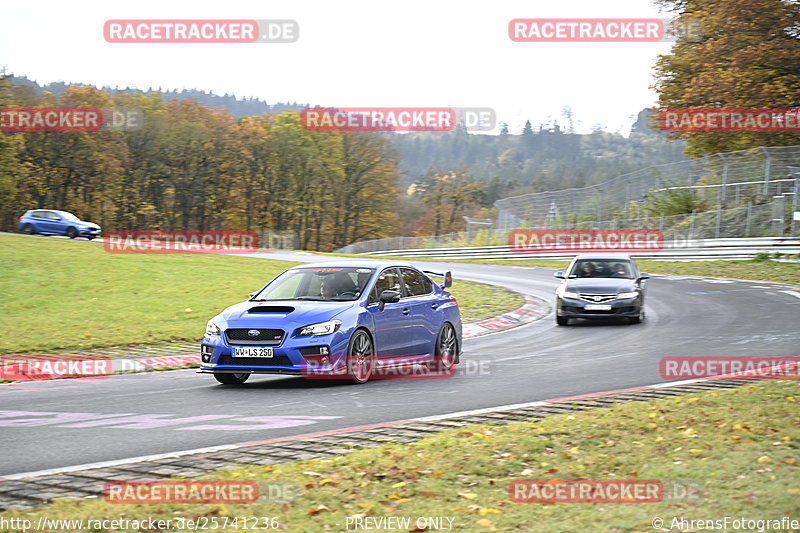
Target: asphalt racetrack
pixel 62 423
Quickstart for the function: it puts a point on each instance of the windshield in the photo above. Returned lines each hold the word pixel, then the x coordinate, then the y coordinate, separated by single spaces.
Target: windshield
pixel 317 284
pixel 602 268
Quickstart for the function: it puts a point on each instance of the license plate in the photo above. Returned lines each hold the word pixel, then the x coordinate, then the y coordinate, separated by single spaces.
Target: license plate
pixel 255 351
pixel 597 307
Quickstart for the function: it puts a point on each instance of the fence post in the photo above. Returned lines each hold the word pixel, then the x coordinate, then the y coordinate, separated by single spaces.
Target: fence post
pixel 778 216
pixel 719 217
pixel 724 192
pixel 767 170
pixel 691 225
pixel 794 206
pixel 749 218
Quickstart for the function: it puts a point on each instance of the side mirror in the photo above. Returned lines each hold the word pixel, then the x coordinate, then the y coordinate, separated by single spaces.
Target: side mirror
pixel 250 296
pixel 448 280
pixel 388 297
pixel 644 275
pixel 559 274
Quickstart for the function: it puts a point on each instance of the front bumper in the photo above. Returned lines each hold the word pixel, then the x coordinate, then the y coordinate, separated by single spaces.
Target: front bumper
pixel 294 356
pixel 576 308
pixel 89 232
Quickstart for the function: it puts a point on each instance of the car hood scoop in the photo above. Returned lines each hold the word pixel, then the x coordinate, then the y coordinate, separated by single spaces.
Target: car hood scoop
pixel 284 309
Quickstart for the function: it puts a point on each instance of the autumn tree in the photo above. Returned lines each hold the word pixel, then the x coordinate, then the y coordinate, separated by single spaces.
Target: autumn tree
pixel 188 167
pixel 13 171
pixel 447 197
pixel 747 57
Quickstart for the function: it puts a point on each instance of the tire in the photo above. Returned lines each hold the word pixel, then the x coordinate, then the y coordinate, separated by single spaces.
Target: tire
pixel 446 354
pixel 27 229
pixel 231 379
pixel 90 237
pixel 638 319
pixel 562 321
pixel 360 357
pixel 72 233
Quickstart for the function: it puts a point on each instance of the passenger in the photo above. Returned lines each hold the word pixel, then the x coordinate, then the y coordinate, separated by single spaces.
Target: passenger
pixel 587 270
pixel 620 271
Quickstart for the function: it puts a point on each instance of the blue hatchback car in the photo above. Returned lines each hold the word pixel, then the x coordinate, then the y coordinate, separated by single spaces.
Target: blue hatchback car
pixel 52 222
pixel 349 320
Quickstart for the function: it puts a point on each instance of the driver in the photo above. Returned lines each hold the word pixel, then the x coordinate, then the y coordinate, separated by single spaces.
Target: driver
pixel 587 270
pixel 327 288
pixel 336 285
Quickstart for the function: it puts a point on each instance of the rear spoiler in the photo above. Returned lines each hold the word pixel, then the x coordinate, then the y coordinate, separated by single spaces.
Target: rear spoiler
pixel 448 278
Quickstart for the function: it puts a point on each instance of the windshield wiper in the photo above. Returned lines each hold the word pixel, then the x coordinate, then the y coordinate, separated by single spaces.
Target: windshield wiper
pixel 310 298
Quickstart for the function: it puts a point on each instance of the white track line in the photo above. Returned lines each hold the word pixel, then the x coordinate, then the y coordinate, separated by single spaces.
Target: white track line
pixel 118 462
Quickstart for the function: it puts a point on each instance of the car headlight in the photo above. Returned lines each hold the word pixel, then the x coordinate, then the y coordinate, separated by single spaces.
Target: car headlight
pixel 323 328
pixel 633 294
pixel 212 329
pixel 567 294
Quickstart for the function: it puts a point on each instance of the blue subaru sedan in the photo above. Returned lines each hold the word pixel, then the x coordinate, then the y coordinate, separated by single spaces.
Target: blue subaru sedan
pixel 53 222
pixel 348 320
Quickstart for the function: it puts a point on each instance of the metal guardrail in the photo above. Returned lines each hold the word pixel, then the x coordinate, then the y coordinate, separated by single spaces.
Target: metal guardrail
pixel 698 249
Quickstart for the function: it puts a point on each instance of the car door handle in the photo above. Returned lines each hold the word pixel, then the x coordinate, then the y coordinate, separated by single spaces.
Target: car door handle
pixel 434 306
pixel 406 311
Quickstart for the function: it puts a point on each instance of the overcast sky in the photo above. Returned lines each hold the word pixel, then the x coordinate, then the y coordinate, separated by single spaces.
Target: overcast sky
pixel 354 53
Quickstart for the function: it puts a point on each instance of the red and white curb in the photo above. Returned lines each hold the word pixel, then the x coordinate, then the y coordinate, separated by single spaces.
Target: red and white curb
pixel 45 368
pixel 533 309
pixel 151 363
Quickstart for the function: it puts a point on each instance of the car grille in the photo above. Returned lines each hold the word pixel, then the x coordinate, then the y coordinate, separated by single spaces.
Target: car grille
pixel 598 298
pixel 613 311
pixel 265 337
pixel 278 360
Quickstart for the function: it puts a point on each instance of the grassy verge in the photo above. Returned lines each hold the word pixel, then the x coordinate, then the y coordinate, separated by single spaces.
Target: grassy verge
pixel 738 447
pixel 754 270
pixel 478 301
pixel 767 270
pixel 68 295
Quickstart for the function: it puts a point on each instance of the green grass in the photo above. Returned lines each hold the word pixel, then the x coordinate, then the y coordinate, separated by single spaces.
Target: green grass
pixel 67 295
pixel 738 447
pixel 478 301
pixel 741 269
pixel 750 270
pixel 72 295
